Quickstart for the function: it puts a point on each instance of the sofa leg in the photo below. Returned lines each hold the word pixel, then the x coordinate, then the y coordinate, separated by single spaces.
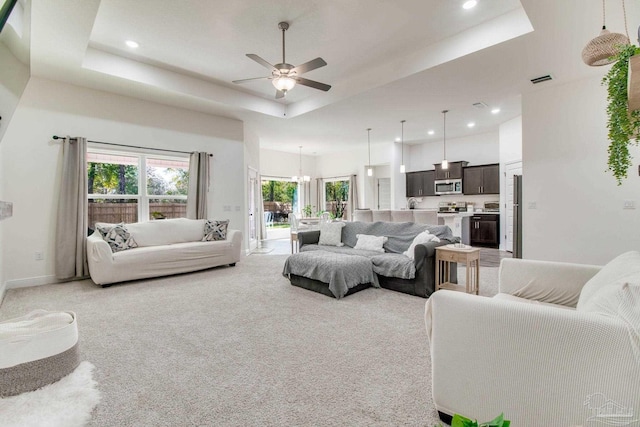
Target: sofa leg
pixel 108 285
pixel 232 264
pixel 445 418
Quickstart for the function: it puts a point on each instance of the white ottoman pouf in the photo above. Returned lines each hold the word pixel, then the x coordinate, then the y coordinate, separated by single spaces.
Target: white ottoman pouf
pixel 36 350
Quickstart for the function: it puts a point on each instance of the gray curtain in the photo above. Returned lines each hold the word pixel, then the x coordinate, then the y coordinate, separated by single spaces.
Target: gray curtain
pixel 72 222
pixel 319 194
pixel 352 204
pixel 198 185
pixel 262 235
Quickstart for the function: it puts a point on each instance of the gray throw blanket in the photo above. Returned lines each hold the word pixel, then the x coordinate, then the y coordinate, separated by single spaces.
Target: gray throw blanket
pixel 340 271
pixel 387 264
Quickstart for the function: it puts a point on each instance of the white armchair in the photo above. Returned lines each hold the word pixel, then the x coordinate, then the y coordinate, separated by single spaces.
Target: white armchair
pixel 529 353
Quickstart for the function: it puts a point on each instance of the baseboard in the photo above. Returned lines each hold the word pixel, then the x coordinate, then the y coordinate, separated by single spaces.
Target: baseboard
pixel 31 281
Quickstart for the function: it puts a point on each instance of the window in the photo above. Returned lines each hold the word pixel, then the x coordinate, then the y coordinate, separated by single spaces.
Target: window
pixel 130 187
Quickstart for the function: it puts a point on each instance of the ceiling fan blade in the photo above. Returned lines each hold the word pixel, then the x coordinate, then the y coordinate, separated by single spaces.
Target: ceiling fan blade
pixel 279 94
pixel 308 66
pixel 312 83
pixel 261 61
pixel 251 79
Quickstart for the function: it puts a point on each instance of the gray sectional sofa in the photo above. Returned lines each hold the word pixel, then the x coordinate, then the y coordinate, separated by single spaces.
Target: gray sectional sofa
pixel 393 269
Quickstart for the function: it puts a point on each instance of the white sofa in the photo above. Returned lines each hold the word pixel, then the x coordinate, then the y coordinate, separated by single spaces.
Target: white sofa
pixel 559 345
pixel 165 247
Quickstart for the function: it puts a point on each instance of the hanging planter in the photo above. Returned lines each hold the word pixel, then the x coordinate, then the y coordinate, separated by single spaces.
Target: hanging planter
pixel 623 125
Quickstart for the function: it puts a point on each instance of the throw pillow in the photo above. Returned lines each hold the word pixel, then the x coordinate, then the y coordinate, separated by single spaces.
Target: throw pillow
pixel 423 237
pixel 215 230
pixel 623 268
pixel 331 234
pixel 370 243
pixel 117 236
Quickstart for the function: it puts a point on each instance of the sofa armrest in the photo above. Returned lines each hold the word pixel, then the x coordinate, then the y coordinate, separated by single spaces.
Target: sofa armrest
pixel 308 237
pixel 98 251
pixel 537 364
pixel 545 281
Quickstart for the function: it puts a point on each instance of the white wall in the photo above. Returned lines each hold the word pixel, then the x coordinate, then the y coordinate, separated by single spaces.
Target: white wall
pixel 510 151
pixel 30 172
pixel 579 215
pixel 14 76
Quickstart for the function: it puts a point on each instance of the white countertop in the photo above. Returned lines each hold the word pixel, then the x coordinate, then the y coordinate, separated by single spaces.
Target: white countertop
pixel 453 214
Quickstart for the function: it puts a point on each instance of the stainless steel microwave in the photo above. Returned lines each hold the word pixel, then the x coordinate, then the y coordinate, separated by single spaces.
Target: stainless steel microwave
pixel 448 186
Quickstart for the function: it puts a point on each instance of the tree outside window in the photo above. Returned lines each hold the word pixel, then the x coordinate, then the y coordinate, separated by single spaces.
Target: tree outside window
pixel 336 196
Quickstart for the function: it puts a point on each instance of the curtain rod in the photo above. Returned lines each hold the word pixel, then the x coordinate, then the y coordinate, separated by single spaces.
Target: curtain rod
pixel 128 146
pixel 339 176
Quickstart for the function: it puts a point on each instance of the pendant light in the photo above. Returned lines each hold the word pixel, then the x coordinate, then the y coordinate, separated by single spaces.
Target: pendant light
pixel 369 168
pixel 402 168
pixel 600 49
pixel 301 178
pixel 445 163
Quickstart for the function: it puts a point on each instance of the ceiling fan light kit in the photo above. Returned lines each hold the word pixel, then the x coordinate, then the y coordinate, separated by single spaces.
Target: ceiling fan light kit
pixel 601 50
pixel 284 77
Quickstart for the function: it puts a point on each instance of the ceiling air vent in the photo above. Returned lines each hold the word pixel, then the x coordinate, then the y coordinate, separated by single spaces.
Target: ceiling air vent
pixel 480 105
pixel 541 79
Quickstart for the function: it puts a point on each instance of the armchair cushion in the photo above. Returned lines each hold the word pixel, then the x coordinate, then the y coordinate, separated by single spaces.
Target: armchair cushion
pixel 624 268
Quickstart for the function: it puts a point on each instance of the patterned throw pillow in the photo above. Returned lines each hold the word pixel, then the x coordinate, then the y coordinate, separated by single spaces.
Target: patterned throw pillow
pixel 331 234
pixel 215 230
pixel 117 236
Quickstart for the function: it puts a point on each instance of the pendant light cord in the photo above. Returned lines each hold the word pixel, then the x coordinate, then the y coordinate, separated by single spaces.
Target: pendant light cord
pixel 604 26
pixel 369 145
pixel 444 134
pixel 402 139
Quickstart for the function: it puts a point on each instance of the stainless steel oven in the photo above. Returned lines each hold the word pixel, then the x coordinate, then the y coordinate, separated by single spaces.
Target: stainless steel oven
pixel 448 186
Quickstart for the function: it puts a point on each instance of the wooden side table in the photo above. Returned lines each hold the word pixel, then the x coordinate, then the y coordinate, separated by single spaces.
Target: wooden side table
pixel 468 256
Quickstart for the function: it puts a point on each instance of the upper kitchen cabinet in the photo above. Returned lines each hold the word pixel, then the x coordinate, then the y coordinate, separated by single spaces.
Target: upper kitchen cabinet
pixel 483 179
pixel 454 171
pixel 420 184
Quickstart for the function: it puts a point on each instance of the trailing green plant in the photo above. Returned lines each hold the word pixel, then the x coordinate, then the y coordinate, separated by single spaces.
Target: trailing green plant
pixel 623 125
pixel 461 421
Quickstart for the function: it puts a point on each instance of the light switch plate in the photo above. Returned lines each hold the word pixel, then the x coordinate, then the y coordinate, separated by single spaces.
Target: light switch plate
pixel 629 204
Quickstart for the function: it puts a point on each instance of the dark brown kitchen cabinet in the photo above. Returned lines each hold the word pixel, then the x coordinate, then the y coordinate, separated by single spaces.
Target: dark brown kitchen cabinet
pixel 483 179
pixel 420 184
pixel 485 230
pixel 454 171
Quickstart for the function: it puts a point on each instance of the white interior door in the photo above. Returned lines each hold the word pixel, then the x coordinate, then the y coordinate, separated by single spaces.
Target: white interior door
pixel 511 169
pixel 384 193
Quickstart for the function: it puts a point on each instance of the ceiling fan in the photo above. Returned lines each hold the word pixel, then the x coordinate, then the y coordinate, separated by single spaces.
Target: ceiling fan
pixel 285 76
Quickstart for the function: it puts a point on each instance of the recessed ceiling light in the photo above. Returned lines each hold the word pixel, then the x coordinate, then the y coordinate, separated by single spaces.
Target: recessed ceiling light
pixel 470 124
pixel 469 4
pixel 495 111
pixel 131 44
pixel 431 132
pixel 398 139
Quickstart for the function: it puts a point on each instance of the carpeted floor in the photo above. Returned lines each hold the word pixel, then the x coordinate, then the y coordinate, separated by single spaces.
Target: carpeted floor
pixel 240 346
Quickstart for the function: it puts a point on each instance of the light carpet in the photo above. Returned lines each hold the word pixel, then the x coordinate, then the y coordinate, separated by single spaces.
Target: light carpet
pixel 240 346
pixel 65 403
